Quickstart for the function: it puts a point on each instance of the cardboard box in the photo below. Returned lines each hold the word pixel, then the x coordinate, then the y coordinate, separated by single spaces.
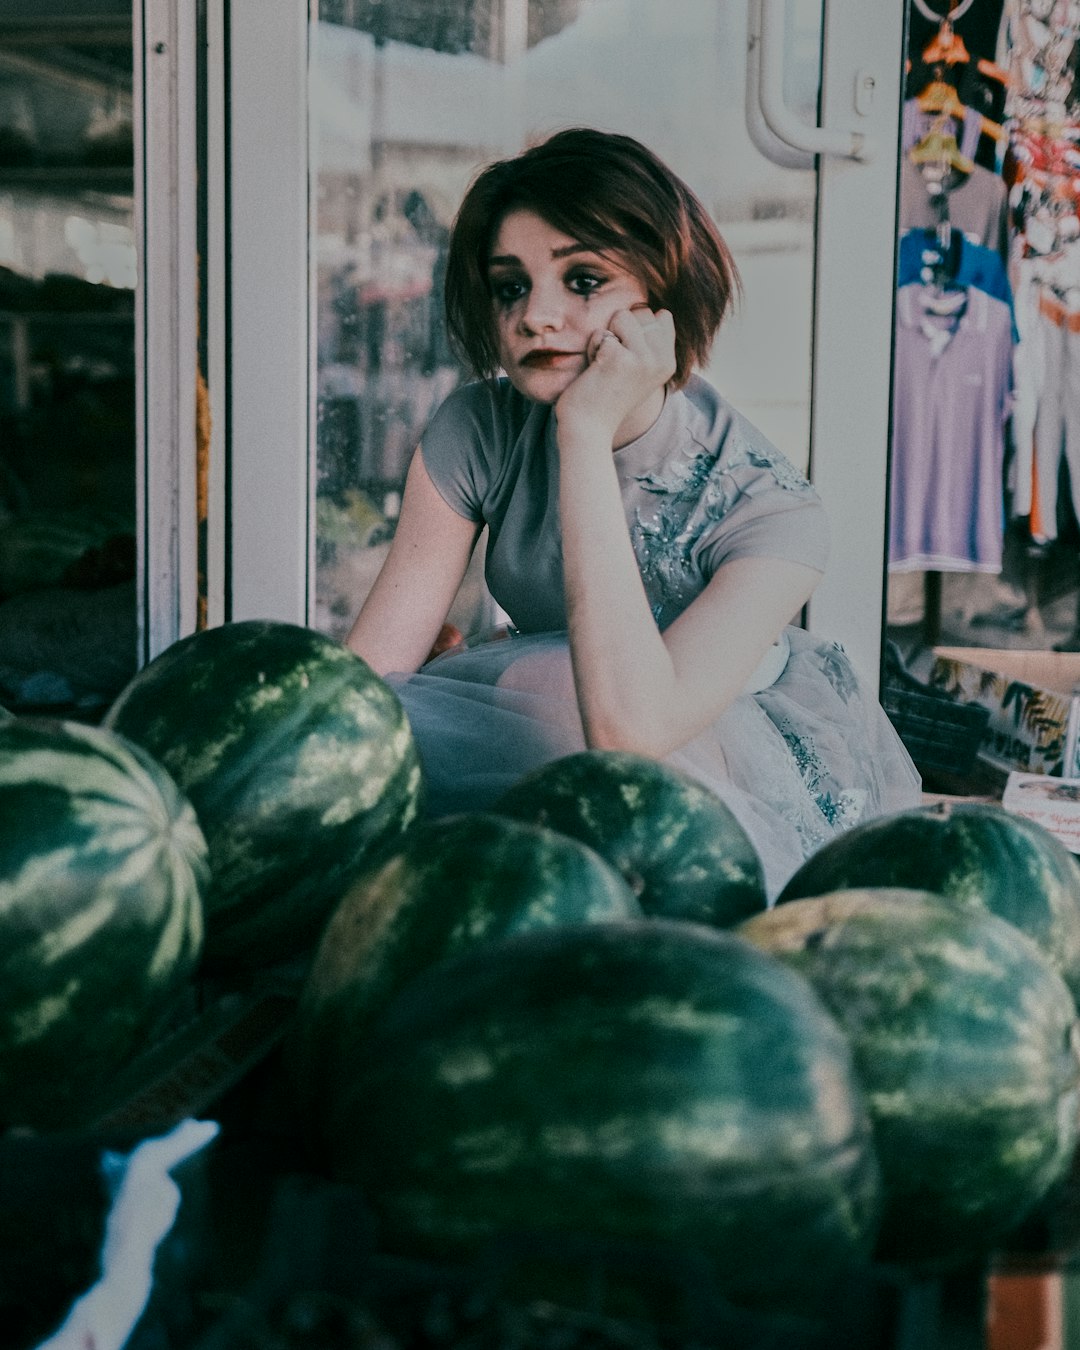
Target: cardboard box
pixel 1053 803
pixel 1034 703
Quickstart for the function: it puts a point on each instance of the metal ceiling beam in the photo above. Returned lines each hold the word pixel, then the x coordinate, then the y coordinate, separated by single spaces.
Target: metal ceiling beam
pixel 108 30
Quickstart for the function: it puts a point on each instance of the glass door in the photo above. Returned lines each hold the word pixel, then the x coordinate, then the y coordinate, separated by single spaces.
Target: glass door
pixel 68 609
pixel 335 321
pixel 391 166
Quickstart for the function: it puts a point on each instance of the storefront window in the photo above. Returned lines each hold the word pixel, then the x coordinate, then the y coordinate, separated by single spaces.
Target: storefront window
pixel 984 546
pixel 67 368
pixel 408 101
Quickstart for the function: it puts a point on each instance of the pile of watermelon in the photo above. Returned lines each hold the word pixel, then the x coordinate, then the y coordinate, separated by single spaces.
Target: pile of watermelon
pixel 570 1023
pixel 206 829
pixel 886 1076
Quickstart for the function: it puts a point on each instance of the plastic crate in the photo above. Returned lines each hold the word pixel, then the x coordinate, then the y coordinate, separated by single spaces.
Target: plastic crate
pixel 941 733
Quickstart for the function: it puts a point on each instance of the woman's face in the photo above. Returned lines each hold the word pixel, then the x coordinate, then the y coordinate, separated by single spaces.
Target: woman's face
pixel 550 294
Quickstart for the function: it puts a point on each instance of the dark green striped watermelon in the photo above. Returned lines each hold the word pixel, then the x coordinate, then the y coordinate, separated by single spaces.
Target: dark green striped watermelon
pixel 54 547
pixel 459 880
pixel 977 855
pixel 653 1082
pixel 299 762
pixel 102 863
pixel 674 840
pixel 965 1042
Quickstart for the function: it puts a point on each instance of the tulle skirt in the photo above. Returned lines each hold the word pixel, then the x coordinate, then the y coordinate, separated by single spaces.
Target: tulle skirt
pixel 797 762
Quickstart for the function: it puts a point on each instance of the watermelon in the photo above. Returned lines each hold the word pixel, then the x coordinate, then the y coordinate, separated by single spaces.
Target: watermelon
pixel 978 855
pixel 672 838
pixel 459 880
pixel 652 1083
pixel 300 764
pixel 102 871
pixel 966 1045
pixel 47 548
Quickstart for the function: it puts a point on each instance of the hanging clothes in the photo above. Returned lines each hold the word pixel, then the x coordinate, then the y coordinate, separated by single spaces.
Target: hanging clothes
pixel 1038 47
pixel 1057 421
pixel 1029 380
pixel 974 265
pixel 953 382
pixel 977 204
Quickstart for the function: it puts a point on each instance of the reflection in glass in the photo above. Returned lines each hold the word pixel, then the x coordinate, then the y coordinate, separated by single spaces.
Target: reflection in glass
pixel 408 101
pixel 67 392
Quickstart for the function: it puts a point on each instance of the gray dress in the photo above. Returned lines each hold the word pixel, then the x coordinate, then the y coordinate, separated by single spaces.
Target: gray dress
pixel 802 754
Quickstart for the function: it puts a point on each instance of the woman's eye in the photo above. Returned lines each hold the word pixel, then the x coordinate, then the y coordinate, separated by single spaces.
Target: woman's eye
pixel 584 283
pixel 508 290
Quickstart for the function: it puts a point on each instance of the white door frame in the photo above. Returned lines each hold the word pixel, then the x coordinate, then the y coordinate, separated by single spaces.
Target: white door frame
pixel 272 433
pixel 271 300
pixel 165 321
pixel 853 326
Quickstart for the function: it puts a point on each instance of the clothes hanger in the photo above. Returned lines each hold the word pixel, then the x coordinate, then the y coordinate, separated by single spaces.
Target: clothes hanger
pixel 939 147
pixel 947 47
pixel 992 70
pixel 940 97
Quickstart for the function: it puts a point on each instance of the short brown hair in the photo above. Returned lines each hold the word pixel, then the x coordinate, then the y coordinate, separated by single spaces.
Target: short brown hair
pixel 612 194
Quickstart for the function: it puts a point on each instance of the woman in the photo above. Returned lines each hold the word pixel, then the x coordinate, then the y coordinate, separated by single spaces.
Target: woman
pixel 649 546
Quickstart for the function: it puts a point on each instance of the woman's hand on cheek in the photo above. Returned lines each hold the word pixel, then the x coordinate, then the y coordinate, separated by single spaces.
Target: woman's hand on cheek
pixel 627 362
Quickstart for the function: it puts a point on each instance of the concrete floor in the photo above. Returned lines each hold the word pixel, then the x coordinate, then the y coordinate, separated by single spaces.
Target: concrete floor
pixel 1033 604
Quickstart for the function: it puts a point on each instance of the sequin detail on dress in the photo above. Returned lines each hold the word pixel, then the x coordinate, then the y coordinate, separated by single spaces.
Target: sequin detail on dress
pixel 692 493
pixel 841 807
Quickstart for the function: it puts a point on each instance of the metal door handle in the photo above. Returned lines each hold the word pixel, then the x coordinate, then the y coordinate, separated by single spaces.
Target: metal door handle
pixel 798 140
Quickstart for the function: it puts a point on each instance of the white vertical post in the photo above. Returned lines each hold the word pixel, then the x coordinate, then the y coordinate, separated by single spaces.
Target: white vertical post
pixel 854 295
pixel 513 45
pixel 271 481
pixel 215 270
pixel 513 30
pixel 165 322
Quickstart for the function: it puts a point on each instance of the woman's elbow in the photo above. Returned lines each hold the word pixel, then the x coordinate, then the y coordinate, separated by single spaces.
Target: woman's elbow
pixel 637 736
pixel 648 732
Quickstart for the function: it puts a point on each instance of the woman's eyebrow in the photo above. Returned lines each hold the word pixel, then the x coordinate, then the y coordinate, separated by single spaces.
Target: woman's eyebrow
pixel 510 260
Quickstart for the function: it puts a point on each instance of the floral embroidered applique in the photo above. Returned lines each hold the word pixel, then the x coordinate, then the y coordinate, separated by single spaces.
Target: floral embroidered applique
pixel 662 543
pixel 841 807
pixel 781 468
pixel 692 491
pixel 839 671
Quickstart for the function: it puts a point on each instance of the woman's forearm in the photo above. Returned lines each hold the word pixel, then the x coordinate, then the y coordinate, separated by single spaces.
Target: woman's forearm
pixel 402 615
pixel 637 688
pixel 622 670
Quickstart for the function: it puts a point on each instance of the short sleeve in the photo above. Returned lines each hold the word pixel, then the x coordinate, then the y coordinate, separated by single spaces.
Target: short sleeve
pixel 763 508
pixel 768 521
pixel 460 449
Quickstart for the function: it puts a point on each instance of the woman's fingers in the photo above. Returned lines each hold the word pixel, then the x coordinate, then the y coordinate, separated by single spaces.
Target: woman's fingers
pixel 628 324
pixel 595 342
pixel 651 336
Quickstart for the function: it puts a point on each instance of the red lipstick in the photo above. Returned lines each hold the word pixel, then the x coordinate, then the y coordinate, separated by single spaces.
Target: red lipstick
pixel 544 358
